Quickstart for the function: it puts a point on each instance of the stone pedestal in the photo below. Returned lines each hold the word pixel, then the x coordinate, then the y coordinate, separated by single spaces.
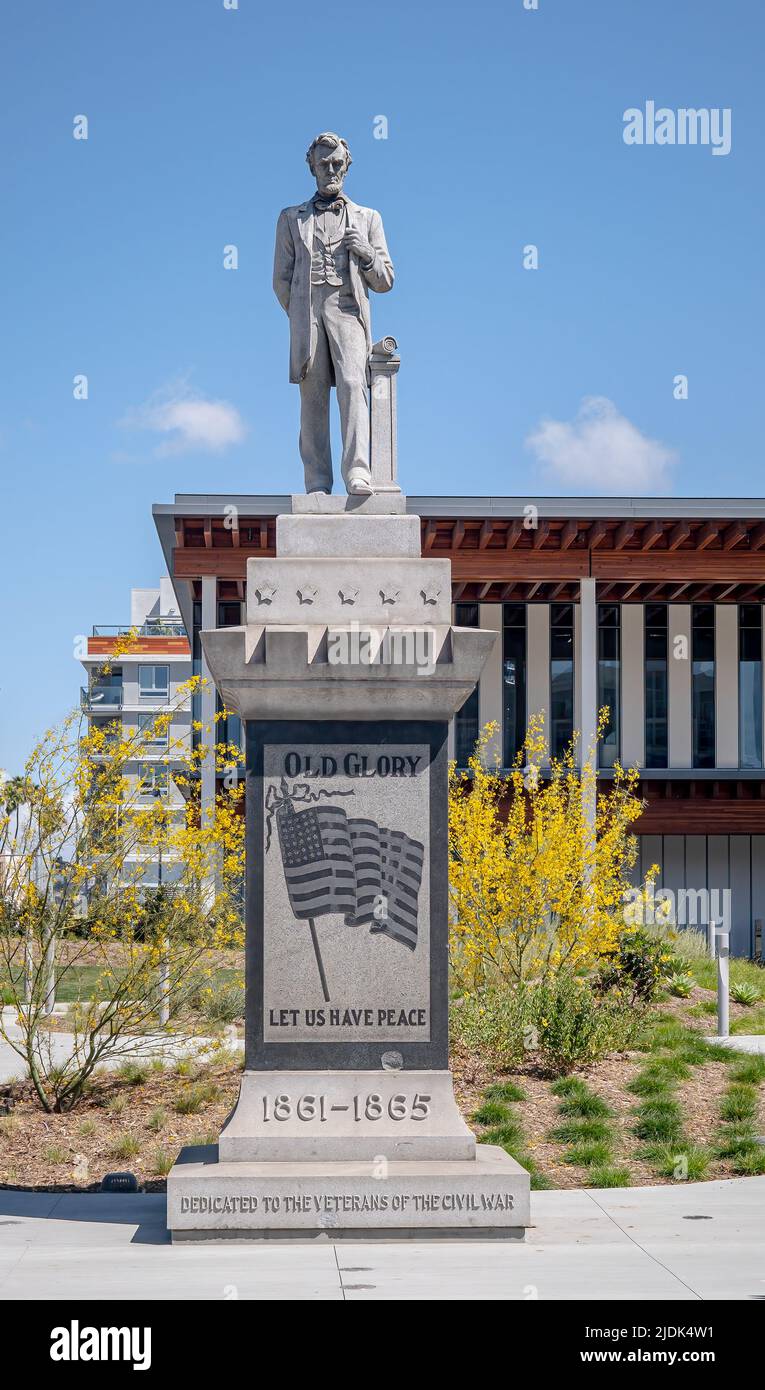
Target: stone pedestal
pixel 346 673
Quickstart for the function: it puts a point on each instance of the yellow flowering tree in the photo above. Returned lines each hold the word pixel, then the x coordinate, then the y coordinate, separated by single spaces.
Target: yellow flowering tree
pixel 531 888
pixel 127 895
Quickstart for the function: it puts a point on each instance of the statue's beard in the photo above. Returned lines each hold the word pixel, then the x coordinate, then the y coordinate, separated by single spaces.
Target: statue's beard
pixel 330 189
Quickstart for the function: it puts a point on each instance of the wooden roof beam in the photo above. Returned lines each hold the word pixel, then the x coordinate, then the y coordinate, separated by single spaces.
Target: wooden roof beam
pixel 678 534
pixel 706 534
pixel 623 534
pixel 208 533
pixel 757 537
pixel 558 589
pixel 485 534
pixel 651 534
pixel 598 531
pixel 733 534
pixel 569 535
pixel 514 531
pixel 631 589
pixel 430 535
pixel 539 534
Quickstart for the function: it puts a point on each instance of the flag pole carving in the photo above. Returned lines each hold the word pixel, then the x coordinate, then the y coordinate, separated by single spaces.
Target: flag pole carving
pixel 335 864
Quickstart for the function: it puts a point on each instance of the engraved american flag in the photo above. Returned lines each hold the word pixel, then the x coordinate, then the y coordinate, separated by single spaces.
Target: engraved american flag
pixel 335 863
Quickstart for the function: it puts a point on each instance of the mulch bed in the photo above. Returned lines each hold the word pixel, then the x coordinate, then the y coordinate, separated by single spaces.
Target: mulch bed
pixel 72 1152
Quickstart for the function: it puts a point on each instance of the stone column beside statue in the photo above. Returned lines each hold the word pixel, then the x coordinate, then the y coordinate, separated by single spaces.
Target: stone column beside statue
pixel 346 673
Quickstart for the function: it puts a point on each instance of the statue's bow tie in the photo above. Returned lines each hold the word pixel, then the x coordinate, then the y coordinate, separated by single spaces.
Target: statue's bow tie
pixel 329 207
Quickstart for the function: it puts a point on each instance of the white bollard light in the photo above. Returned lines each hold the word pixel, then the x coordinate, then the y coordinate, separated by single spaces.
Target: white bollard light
pixel 723 984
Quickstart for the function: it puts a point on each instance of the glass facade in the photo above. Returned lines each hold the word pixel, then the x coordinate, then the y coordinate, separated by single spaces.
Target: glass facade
pixel 466 726
pixel 513 680
pixel 750 685
pixel 561 677
pixel 609 681
pixel 703 684
pixel 656 686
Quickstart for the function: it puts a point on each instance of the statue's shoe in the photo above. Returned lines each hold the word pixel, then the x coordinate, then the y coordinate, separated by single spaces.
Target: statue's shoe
pixel 360 485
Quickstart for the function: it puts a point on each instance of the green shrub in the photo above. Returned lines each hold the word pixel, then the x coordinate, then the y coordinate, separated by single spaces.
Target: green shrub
pixel 193 1098
pixel 739 1103
pixel 505 1090
pixel 134 1073
pixel 659 1120
pixel 585 1104
pixel 576 1131
pixel 736 1140
pixel 639 967
pixel 608 1176
pixel 591 1152
pixel 572 1027
pixel 53 1153
pixel 490 1112
pixel 684 1163
pixel 750 1163
pixel 124 1146
pixel 222 1003
pixel 508 1136
pixel 742 992
pixel 659 1075
pixel 749 1071
pixel 492 1022
pixel 162 1162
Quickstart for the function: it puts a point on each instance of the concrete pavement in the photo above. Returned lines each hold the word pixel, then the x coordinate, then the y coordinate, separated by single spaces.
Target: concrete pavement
pixel 681 1242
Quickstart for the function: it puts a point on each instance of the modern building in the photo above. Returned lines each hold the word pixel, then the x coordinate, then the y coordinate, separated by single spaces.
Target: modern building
pixel 129 682
pixel 651 607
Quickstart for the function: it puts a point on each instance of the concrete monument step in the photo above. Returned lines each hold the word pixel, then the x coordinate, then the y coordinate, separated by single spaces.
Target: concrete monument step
pixel 487 1197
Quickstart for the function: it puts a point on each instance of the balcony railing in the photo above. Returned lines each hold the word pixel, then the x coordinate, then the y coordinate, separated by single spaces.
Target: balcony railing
pixel 101 697
pixel 153 627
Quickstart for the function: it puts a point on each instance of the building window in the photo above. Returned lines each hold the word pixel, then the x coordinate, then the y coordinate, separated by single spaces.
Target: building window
pixel 609 678
pixel 561 677
pixel 750 685
pixel 153 681
pixel 153 737
pixel 230 613
pixel 466 727
pixel 513 680
pixel 656 686
pixel 703 688
pixel 153 779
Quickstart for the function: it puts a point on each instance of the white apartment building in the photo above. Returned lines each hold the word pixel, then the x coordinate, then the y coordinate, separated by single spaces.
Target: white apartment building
pixel 126 689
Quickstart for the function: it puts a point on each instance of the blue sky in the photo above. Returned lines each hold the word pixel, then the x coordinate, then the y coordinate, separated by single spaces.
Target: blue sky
pixel 504 130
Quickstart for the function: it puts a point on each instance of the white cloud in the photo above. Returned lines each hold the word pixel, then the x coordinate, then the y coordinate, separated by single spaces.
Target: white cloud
pixel 189 421
pixel 601 450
